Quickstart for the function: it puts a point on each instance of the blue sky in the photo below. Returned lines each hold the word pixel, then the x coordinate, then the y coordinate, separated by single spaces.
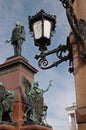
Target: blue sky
pixel 62 92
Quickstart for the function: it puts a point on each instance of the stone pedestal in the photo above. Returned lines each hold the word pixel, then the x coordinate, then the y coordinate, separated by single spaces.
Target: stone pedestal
pixel 29 127
pixel 10 75
pixel 12 70
pixel 35 127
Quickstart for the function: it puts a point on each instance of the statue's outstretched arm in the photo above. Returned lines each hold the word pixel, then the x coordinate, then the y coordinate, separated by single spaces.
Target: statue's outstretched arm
pixel 50 84
pixel 8 41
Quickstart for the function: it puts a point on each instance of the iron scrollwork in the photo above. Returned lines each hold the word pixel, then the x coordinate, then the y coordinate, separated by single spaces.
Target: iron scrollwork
pixel 63 53
pixel 78 25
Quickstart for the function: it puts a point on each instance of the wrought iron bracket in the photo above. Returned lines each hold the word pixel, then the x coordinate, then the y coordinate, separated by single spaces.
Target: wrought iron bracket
pixel 63 53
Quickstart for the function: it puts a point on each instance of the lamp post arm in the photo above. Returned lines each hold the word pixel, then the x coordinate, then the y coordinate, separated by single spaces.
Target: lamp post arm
pixel 63 53
pixel 44 54
pixel 56 50
pixel 43 63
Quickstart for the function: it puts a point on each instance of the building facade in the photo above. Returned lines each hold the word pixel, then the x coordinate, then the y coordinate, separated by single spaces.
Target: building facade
pixel 72 117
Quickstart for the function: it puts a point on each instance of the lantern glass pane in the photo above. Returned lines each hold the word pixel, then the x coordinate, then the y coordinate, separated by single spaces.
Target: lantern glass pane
pixel 37 28
pixel 47 28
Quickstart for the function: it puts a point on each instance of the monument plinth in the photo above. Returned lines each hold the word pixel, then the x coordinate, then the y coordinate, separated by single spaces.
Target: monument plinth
pixel 16 127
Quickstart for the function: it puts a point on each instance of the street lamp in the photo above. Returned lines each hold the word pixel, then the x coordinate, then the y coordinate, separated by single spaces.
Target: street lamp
pixel 42 25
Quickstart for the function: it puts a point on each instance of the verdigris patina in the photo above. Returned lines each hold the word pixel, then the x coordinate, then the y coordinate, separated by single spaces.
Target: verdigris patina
pixel 7 99
pixel 35 108
pixel 18 37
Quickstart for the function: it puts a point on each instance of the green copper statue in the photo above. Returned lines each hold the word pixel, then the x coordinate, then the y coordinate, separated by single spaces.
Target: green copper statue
pixel 36 109
pixel 7 98
pixel 18 37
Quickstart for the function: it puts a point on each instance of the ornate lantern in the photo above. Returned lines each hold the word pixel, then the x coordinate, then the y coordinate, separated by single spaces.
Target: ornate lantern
pixel 42 25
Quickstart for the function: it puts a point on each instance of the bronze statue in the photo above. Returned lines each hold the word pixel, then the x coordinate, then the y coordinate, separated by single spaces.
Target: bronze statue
pixel 29 116
pixel 7 98
pixel 38 102
pixel 36 109
pixel 26 99
pixel 17 39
